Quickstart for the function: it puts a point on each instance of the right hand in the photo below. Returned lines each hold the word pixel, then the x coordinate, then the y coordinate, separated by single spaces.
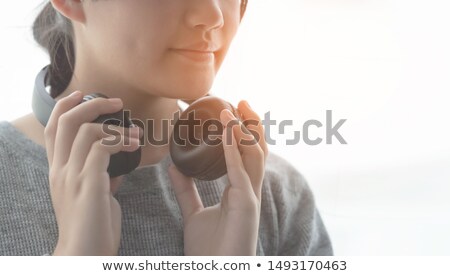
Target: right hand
pixel 87 214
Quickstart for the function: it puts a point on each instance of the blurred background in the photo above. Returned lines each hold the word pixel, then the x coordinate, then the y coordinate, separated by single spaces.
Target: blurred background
pixel 383 65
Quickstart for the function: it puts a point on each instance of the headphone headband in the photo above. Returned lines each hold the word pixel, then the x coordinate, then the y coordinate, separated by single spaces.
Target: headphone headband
pixel 42 103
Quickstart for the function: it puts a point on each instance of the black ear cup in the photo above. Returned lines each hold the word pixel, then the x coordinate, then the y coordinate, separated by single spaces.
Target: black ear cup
pixel 122 162
pixel 193 153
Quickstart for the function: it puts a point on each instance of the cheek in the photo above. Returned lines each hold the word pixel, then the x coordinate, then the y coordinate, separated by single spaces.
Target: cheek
pixel 137 31
pixel 227 34
pixel 141 51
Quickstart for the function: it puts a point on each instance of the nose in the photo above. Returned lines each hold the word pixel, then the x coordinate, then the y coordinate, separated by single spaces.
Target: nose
pixel 205 15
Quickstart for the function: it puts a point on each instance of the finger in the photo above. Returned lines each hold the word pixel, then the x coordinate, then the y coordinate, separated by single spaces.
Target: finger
pixel 235 168
pixel 97 162
pixel 60 108
pixel 91 132
pixel 185 192
pixel 252 155
pixel 253 123
pixel 70 122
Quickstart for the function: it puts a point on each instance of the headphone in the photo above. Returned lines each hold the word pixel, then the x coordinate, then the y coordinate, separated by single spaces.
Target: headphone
pixel 204 161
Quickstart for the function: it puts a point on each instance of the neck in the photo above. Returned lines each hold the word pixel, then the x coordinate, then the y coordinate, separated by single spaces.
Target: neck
pixel 143 106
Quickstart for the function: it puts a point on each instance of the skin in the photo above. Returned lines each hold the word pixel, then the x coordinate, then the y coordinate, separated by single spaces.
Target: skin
pixel 124 50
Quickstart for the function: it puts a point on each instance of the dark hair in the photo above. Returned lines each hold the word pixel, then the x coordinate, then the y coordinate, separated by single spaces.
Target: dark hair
pixel 54 32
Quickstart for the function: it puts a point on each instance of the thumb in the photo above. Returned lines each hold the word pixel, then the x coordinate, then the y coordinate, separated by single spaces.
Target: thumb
pixel 185 192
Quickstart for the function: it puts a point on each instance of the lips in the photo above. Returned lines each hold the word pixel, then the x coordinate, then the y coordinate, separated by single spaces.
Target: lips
pixel 200 52
pixel 201 56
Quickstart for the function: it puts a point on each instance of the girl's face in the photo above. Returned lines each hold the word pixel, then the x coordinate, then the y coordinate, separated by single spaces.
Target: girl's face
pixel 150 44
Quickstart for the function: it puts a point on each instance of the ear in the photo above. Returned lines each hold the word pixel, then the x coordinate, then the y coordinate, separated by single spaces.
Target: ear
pixel 72 9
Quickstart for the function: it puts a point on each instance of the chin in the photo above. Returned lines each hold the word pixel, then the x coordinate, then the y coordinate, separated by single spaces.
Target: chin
pixel 191 96
pixel 193 91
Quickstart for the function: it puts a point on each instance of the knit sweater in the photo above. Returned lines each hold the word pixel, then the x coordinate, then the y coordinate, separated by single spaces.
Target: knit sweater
pixel 290 223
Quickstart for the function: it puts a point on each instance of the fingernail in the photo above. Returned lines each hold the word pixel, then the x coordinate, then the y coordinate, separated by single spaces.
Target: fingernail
pixel 115 101
pixel 75 94
pixel 230 115
pixel 137 130
pixel 134 131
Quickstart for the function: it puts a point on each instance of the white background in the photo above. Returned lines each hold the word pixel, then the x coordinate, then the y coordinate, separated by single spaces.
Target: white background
pixel 382 65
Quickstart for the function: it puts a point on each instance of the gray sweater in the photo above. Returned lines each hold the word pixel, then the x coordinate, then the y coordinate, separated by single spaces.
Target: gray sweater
pixel 151 220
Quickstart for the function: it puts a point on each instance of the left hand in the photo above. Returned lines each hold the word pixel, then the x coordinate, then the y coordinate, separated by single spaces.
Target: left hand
pixel 231 226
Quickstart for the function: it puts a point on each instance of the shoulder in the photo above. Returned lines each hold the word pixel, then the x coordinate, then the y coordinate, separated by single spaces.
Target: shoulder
pixel 284 187
pixel 6 136
pixel 10 157
pixel 15 145
pixel 8 132
pixel 283 177
pixel 289 211
pixel 5 128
